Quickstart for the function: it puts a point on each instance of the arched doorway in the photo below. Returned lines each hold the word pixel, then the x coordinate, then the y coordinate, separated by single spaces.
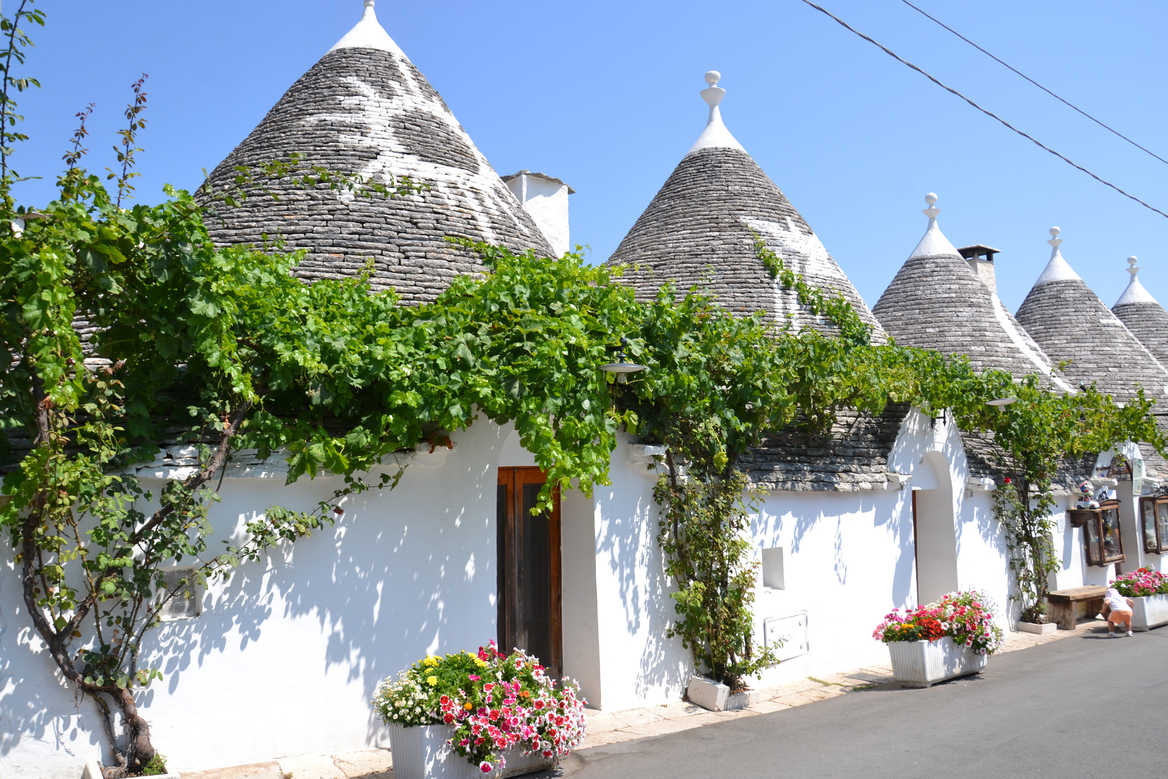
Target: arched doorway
pixel 934 536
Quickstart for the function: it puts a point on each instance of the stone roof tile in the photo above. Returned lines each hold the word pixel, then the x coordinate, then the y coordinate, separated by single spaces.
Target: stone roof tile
pixel 364 108
pixel 1144 316
pixel 699 232
pixel 937 302
pixel 1074 327
pixel 851 457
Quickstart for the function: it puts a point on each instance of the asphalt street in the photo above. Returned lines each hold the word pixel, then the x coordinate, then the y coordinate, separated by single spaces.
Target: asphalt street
pixel 1087 706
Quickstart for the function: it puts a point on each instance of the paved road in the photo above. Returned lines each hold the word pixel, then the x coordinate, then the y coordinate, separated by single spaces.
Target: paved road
pixel 1081 707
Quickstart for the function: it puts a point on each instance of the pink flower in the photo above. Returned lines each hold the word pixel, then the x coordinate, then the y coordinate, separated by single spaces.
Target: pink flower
pixel 485 767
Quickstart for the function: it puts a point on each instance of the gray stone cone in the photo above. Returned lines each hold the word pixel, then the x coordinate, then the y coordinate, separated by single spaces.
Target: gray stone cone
pixel 699 232
pixel 1074 326
pixel 369 112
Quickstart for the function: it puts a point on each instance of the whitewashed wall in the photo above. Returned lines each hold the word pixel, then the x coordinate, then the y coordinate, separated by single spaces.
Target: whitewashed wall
pixel 849 558
pixel 286 656
pixel 635 661
pixel 983 560
pixel 847 561
pixel 1074 571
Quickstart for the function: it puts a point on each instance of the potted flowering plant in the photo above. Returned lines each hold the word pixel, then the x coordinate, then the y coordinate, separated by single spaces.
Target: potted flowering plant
pixel 938 641
pixel 469 714
pixel 1148 590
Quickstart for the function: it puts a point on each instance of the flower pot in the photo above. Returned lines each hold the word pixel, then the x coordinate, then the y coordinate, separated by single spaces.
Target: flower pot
pixel 421 752
pixel 921 663
pixel 1149 611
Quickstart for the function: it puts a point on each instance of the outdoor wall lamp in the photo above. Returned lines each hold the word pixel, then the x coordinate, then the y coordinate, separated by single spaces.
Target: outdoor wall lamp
pixel 621 369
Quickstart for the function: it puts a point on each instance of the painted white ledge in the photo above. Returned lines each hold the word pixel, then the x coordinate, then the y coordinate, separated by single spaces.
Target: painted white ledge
pixel 645 454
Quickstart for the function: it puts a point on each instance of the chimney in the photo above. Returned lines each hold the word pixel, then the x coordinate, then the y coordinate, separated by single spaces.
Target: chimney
pixel 981 262
pixel 545 198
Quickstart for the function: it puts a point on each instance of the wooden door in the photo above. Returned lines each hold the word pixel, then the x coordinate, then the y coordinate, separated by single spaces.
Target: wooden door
pixel 529 594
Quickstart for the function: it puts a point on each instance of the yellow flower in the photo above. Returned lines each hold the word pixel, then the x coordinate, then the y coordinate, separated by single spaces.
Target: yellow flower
pixel 430 660
pixel 480 662
pixel 432 681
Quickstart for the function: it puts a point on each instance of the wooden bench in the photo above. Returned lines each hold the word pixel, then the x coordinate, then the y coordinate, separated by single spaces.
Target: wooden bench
pixel 1066 606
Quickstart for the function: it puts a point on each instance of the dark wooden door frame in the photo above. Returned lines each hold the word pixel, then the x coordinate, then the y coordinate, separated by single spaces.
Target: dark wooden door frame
pixel 916 547
pixel 512 519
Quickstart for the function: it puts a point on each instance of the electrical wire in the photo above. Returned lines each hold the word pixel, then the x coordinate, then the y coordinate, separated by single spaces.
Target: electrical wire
pixel 1017 72
pixel 985 111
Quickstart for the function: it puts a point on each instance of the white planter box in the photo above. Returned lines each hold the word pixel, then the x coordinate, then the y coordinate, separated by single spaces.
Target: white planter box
pixel 422 753
pixel 1040 629
pixel 921 663
pixel 1149 611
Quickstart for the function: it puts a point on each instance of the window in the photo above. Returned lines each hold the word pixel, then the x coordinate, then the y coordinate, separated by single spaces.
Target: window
pixel 1154 524
pixel 1101 534
pixel 772 568
pixel 187 599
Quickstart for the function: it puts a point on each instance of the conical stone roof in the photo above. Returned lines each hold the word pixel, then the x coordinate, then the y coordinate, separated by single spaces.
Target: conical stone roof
pixel 699 231
pixel 365 109
pixel 1074 327
pixel 1143 315
pixel 937 302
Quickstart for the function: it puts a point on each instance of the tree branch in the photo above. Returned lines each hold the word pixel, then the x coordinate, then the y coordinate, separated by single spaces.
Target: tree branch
pixel 204 474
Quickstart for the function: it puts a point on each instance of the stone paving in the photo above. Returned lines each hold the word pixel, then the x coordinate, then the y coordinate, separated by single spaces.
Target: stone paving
pixel 609 727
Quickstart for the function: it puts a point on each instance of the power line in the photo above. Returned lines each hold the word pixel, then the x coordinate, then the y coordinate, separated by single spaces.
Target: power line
pixel 1014 70
pixel 985 111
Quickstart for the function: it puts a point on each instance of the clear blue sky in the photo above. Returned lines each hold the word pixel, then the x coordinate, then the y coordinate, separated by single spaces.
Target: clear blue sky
pixel 605 95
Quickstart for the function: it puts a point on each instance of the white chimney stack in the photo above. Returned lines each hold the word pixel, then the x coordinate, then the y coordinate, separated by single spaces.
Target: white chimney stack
pixel 546 199
pixel 981 261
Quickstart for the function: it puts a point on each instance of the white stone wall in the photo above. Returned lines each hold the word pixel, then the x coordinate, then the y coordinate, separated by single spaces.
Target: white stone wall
pixel 286 656
pixel 637 663
pixel 847 561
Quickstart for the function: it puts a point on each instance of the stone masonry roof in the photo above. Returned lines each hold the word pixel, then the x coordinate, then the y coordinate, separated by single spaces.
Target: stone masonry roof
pixel 1144 316
pixel 1074 326
pixel 699 231
pixel 987 461
pixel 365 109
pixel 852 457
pixel 937 302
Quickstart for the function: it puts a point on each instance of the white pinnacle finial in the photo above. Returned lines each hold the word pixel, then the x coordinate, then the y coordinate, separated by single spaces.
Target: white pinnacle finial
pixel 1135 292
pixel 368 34
pixel 1054 237
pixel 715 135
pixel 932 210
pixel 713 93
pixel 933 243
pixel 1058 269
